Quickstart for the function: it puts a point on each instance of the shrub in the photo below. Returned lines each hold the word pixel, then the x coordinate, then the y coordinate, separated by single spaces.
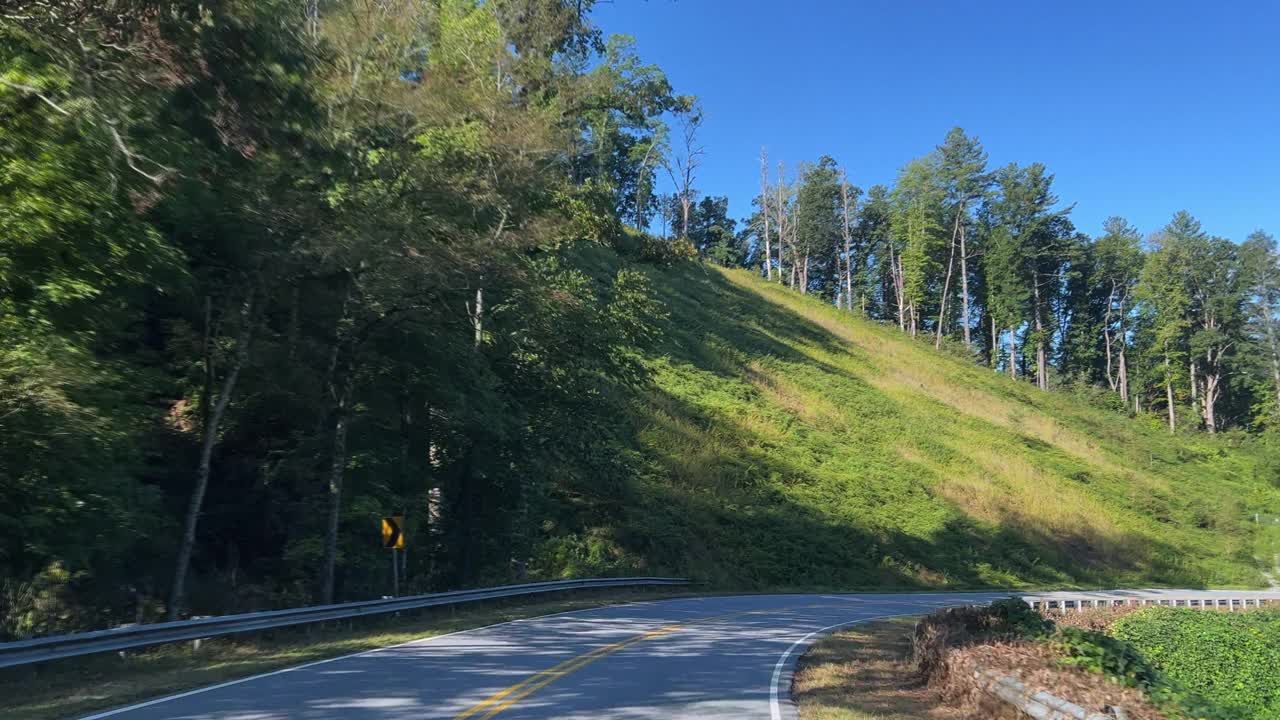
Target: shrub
pixel 1014 618
pixel 1230 659
pixel 1099 653
pixel 1008 619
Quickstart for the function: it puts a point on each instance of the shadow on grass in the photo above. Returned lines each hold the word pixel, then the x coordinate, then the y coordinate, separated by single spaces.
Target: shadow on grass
pixel 744 507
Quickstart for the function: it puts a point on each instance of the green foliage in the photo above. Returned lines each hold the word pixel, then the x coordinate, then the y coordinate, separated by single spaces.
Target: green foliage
pixel 1015 618
pixel 1229 659
pixel 1099 653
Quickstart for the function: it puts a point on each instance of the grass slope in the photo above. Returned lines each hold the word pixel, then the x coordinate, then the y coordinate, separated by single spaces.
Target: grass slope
pixel 788 444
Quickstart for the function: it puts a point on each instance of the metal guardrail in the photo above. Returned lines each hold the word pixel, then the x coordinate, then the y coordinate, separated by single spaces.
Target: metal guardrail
pixel 1034 703
pixel 1063 603
pixel 55 647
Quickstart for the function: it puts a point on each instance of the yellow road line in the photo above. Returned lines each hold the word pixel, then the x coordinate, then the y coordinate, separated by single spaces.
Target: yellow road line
pixel 504 699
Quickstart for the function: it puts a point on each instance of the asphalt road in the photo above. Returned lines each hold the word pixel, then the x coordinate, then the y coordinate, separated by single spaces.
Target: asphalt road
pixel 714 657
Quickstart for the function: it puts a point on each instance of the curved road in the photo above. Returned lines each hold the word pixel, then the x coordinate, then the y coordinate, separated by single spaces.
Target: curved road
pixel 713 657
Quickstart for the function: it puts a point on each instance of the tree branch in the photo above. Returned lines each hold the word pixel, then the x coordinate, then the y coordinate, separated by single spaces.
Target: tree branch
pixel 36 91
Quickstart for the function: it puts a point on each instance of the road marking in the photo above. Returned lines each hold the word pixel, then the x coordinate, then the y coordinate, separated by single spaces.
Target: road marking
pixel 504 699
pixel 304 666
pixel 775 705
pixel 500 701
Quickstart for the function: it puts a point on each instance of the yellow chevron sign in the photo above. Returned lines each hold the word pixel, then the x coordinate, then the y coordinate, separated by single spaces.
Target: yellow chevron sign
pixel 392 532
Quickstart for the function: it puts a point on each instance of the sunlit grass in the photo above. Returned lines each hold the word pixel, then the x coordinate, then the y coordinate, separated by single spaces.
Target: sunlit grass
pixel 793 445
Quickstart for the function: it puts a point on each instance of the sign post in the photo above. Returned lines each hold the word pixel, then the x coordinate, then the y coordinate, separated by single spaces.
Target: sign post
pixel 393 540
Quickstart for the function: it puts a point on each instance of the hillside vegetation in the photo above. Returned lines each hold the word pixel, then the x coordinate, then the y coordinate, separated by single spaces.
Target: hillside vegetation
pixel 268 276
pixel 786 443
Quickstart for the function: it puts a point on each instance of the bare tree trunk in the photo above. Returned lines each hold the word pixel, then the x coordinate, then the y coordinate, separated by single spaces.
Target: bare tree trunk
pixel 895 270
pixel 781 209
pixel 964 288
pixel 804 275
pixel 946 286
pixel 795 250
pixel 640 186
pixel 764 213
pixel 477 315
pixel 208 442
pixel 847 233
pixel 1168 395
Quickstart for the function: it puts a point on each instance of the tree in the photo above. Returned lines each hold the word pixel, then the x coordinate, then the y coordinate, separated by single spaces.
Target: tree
pixel 1261 273
pixel 848 208
pixel 1028 250
pixel 1118 257
pixel 683 167
pixel 763 203
pixel 917 206
pixel 818 223
pixel 713 233
pixel 962 166
pixel 1217 292
pixel 1166 302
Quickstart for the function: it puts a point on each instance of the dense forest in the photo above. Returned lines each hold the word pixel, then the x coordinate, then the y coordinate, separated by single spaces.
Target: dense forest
pixel 270 270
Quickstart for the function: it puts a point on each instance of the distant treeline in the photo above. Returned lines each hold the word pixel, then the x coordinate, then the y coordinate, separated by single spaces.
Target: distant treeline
pixel 1180 323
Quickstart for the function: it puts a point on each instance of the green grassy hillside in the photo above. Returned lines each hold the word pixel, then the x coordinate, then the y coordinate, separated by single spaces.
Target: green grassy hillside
pixel 786 443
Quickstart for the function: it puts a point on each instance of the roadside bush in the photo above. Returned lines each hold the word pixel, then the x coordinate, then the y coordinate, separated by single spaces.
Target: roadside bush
pixel 1014 618
pixel 1099 653
pixel 1008 619
pixel 1231 659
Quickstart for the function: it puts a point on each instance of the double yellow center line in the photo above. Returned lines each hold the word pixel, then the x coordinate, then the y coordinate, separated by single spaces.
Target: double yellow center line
pixel 504 699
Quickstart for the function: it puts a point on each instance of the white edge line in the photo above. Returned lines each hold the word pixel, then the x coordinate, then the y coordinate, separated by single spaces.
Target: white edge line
pixel 773 695
pixel 775 689
pixel 304 666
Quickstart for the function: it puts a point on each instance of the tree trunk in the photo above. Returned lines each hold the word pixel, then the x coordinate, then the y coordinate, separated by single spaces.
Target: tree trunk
pixel 1013 354
pixel 1211 384
pixel 1168 395
pixel 1112 380
pixel 946 284
pixel 1123 376
pixel 339 383
pixel 1042 378
pixel 895 273
pixel 1195 394
pixel 994 351
pixel 848 243
pixel 337 470
pixel 781 209
pixel 208 442
pixel 477 315
pixel 964 288
pixel 764 214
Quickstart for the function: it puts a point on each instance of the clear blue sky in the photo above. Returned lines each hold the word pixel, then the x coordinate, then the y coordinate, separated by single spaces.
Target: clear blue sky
pixel 1140 109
